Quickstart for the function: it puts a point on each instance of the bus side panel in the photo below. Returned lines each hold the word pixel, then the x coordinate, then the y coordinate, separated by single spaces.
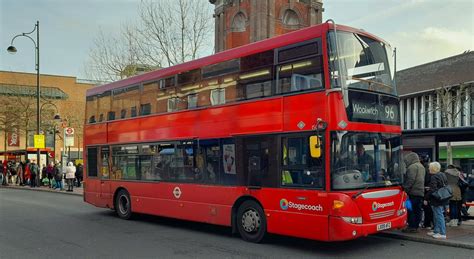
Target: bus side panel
pixel 306 108
pixel 95 134
pixel 295 212
pixel 245 118
pixel 202 203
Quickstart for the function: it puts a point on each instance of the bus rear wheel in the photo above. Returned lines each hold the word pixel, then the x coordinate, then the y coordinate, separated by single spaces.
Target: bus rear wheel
pixel 251 222
pixel 123 206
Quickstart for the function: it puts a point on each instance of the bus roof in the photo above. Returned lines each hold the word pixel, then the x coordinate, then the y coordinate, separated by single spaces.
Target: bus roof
pixel 249 49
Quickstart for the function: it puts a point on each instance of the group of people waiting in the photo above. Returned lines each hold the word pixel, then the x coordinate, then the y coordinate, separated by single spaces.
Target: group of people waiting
pixel 420 183
pixel 28 174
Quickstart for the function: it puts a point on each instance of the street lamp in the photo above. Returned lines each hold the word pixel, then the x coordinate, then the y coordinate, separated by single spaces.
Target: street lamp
pixel 13 50
pixel 56 119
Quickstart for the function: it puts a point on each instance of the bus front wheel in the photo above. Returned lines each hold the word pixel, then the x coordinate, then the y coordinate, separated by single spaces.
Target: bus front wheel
pixel 123 206
pixel 251 222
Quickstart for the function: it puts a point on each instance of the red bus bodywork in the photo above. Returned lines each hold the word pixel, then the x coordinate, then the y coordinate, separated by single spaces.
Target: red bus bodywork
pixel 278 114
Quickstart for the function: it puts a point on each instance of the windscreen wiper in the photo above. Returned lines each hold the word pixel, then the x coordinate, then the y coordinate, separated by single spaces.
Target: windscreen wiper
pixel 361 191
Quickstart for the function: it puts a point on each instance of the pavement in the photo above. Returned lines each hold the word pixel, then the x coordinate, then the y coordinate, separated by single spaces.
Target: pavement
pixel 76 191
pixel 460 236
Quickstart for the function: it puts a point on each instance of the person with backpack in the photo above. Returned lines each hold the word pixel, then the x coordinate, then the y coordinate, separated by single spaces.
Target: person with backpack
pixel 438 180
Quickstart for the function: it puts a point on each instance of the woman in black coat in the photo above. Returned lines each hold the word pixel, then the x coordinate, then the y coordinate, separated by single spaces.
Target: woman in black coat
pixel 437 181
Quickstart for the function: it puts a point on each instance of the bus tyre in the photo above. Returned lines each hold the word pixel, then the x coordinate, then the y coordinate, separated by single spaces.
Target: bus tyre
pixel 123 206
pixel 251 222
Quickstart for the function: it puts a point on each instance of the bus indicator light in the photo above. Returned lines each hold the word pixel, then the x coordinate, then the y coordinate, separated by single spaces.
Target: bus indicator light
pixel 337 204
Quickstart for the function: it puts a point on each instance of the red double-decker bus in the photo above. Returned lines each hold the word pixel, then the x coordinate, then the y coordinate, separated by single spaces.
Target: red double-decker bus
pixel 295 135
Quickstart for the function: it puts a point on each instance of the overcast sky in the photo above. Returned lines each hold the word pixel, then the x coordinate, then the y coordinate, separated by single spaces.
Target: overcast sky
pixel 421 30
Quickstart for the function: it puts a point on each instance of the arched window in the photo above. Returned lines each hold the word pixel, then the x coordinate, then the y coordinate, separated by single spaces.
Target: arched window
pixel 290 18
pixel 238 23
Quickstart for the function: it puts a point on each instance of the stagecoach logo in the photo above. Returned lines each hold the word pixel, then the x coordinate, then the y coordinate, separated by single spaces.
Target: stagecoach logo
pixel 177 192
pixel 376 205
pixel 285 204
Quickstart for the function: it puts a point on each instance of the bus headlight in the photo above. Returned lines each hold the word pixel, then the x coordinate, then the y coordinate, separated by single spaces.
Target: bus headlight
pixel 401 212
pixel 353 220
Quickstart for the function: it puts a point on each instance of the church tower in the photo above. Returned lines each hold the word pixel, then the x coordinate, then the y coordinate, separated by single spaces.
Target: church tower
pixel 239 22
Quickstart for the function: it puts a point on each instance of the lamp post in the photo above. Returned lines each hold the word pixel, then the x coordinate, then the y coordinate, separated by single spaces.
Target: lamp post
pixel 13 50
pixel 56 119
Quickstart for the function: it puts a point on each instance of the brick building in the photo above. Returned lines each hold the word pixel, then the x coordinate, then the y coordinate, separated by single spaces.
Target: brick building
pixel 239 22
pixel 60 95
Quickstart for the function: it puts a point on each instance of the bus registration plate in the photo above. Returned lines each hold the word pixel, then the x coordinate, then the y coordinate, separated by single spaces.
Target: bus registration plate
pixel 384 226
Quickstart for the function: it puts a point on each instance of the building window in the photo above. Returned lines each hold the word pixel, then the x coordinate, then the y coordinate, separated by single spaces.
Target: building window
pixel 133 111
pixel 111 116
pixel 101 117
pixel 192 101
pixel 172 104
pixel 238 23
pixel 145 109
pixel 420 115
pixel 92 119
pixel 290 18
pixel 217 96
pixel 472 108
pixel 123 114
pixel 428 109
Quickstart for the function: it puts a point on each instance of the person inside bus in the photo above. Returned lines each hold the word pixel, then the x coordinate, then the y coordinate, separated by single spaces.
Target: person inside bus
pixel 365 163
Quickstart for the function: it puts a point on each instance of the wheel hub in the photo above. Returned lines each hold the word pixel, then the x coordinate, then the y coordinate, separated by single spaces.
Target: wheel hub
pixel 123 204
pixel 251 221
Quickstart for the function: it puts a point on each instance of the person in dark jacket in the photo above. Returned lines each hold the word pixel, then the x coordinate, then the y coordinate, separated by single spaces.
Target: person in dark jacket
pixel 79 175
pixel 437 181
pixel 453 176
pixel 427 211
pixel 414 185
pixel 58 177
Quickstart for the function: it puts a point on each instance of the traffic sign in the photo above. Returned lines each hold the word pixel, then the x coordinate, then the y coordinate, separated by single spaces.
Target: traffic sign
pixel 39 141
pixel 69 131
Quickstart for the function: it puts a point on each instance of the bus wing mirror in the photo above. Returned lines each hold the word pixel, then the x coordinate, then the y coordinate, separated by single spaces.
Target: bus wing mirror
pixel 315 146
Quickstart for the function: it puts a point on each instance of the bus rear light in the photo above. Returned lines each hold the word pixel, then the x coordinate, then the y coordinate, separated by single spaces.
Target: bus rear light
pixel 353 220
pixel 337 204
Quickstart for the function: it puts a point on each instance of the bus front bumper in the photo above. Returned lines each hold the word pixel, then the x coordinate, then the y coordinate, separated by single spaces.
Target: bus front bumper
pixel 339 230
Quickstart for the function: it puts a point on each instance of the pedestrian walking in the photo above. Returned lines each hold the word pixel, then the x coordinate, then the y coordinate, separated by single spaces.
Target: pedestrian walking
pixel 455 205
pixel 438 180
pixel 414 186
pixel 70 175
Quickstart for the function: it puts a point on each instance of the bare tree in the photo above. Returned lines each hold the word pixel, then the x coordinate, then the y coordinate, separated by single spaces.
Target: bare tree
pixel 174 31
pixel 168 32
pixel 450 103
pixel 114 57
